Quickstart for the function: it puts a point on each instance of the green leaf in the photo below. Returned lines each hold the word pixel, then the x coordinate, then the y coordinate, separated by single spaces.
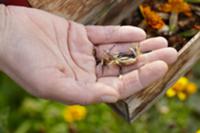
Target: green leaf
pixel 193 1
pixel 24 127
pixel 189 33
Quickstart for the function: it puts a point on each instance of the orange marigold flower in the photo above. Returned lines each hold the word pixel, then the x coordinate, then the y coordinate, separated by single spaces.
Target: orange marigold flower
pixel 181 84
pixel 191 88
pixel 177 6
pixel 152 18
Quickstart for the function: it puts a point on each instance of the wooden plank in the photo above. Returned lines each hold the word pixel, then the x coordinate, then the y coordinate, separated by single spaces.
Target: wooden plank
pixel 89 11
pixel 78 10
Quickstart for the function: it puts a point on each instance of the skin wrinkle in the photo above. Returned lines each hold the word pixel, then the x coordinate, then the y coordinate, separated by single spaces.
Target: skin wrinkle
pixel 56 42
pixel 38 25
pixel 75 76
pixel 66 62
pixel 139 78
pixel 72 57
pixel 121 86
pixel 52 51
pixel 68 48
pixel 44 34
pixel 125 80
pixel 120 34
pixel 82 68
pixel 88 36
pixel 92 52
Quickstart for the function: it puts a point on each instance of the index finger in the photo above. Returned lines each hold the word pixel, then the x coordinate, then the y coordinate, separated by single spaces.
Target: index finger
pixel 114 34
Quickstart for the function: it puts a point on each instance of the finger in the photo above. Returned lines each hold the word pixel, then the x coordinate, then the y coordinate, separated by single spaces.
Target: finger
pixel 137 80
pixel 112 34
pixel 145 46
pixel 153 44
pixel 168 55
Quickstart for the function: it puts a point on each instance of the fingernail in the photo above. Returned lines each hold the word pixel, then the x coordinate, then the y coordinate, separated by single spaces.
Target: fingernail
pixel 109 99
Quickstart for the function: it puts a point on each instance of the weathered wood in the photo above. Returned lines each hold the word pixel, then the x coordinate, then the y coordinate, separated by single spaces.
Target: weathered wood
pixel 113 12
pixel 89 11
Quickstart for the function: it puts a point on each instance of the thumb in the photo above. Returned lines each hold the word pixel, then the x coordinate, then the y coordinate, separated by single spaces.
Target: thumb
pixel 69 91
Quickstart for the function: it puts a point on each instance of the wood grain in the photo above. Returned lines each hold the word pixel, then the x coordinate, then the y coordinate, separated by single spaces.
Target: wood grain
pixel 89 11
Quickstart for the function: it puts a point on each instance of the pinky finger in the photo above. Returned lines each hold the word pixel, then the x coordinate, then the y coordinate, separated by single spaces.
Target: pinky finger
pixel 137 80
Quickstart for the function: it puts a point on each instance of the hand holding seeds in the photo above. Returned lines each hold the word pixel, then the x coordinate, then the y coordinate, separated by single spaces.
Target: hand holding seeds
pixel 75 64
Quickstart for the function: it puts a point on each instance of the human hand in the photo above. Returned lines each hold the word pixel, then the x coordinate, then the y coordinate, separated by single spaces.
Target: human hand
pixel 54 59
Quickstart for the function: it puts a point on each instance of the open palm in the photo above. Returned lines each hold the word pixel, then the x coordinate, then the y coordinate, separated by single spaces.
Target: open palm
pixel 56 59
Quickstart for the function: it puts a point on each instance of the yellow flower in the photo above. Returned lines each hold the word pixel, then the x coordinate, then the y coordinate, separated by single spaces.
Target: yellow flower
pixel 191 88
pixel 171 92
pixel 198 131
pixel 152 18
pixel 183 88
pixel 74 113
pixel 181 84
pixel 182 96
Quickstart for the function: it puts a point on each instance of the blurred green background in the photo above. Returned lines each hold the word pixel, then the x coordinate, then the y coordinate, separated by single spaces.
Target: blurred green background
pixel 22 113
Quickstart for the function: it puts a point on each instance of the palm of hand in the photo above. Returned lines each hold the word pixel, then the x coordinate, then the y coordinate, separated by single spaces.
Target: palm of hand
pixel 50 54
pixel 54 59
